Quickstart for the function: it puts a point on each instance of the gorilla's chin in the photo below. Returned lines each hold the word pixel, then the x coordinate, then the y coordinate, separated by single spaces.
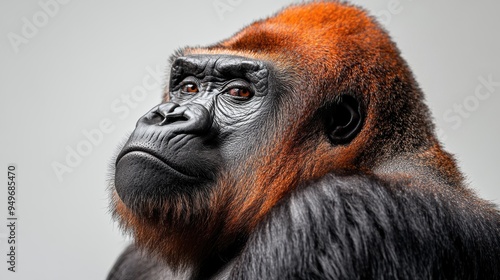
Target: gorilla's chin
pixel 142 175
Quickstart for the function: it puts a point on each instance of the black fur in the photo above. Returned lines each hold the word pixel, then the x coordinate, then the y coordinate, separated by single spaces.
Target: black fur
pixel 134 265
pixel 364 228
pixel 354 227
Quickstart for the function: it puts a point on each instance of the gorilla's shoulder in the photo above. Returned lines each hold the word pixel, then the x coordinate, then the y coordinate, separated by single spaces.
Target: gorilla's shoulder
pixel 372 227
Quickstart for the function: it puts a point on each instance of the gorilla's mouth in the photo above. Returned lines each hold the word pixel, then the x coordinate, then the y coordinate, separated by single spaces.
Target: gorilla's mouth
pixel 149 157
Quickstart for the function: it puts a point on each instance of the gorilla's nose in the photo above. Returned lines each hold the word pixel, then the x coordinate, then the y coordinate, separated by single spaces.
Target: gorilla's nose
pixel 189 119
pixel 170 112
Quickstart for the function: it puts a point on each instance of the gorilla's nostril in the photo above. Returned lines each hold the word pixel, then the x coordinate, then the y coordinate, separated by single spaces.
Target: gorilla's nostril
pixel 176 114
pixel 175 118
pixel 164 109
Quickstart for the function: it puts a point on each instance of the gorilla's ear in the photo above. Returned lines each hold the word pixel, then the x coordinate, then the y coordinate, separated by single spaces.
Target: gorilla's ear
pixel 344 120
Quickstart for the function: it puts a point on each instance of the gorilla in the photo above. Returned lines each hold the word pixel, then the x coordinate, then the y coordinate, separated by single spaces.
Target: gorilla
pixel 299 148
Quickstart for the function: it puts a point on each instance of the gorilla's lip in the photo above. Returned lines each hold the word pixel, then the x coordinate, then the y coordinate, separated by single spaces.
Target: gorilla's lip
pixel 150 153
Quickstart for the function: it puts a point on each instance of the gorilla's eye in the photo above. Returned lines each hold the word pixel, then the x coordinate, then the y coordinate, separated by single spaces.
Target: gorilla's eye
pixel 190 88
pixel 240 92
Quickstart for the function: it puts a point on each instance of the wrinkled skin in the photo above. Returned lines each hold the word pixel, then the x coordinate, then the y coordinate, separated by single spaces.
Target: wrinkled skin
pixel 182 144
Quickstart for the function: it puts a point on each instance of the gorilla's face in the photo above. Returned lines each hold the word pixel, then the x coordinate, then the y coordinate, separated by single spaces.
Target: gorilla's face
pixel 212 120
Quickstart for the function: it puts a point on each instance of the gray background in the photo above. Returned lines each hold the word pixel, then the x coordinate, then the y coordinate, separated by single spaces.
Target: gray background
pixel 82 64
